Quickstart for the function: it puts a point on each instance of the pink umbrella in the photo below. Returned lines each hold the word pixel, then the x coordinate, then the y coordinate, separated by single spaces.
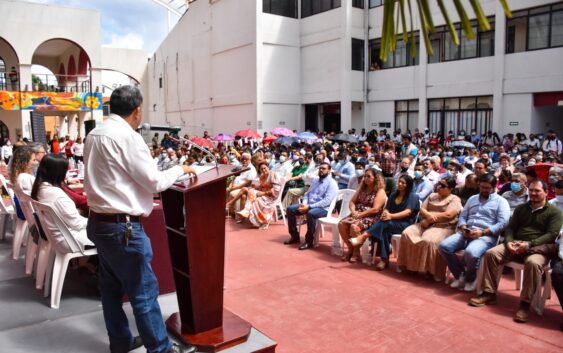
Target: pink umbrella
pixel 248 133
pixel 223 138
pixel 282 131
pixel 202 142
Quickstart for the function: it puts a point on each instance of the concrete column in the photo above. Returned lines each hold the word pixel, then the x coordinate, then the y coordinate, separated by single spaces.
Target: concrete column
pixel 346 69
pixel 25 77
pixel 81 130
pixel 500 45
pixel 259 47
pixel 423 81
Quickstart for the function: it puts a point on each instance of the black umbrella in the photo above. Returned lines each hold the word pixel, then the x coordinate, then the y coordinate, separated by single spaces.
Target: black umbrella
pixel 285 140
pixel 345 138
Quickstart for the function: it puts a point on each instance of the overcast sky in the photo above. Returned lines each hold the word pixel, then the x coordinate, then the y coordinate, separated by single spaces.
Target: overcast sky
pixel 134 24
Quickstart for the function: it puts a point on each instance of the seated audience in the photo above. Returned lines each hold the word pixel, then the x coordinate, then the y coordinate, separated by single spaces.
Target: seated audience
pixel 356 179
pixel 469 189
pixel 422 186
pixel 518 193
pixel 365 208
pixel 260 197
pixel 400 212
pixel 47 190
pixel 316 202
pixel 534 225
pixel 241 181
pixel 437 220
pixel 482 220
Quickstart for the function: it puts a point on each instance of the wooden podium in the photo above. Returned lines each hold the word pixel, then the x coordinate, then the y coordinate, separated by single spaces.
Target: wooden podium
pixel 194 212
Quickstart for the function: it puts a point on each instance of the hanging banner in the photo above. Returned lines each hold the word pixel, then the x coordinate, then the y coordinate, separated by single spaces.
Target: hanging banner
pixel 50 101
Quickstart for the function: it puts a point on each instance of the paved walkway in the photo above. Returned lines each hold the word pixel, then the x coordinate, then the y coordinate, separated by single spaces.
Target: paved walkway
pixel 307 301
pixel 310 301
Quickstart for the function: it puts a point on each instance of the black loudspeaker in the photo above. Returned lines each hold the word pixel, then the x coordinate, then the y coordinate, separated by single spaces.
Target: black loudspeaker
pixel 89 125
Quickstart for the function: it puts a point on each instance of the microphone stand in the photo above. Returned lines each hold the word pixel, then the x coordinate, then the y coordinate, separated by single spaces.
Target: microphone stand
pixel 199 147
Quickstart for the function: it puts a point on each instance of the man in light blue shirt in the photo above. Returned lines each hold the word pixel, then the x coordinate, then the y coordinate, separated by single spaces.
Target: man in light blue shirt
pixel 343 170
pixel 315 205
pixel 422 186
pixel 483 218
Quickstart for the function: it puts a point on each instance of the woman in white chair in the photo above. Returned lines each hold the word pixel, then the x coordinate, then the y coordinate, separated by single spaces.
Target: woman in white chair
pixel 419 250
pixel 365 208
pixel 47 189
pixel 260 197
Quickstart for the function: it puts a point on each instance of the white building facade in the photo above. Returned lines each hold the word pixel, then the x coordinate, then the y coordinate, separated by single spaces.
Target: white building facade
pixel 313 64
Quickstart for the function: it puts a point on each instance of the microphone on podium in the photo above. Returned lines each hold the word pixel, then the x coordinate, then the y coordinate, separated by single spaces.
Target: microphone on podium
pixel 147 127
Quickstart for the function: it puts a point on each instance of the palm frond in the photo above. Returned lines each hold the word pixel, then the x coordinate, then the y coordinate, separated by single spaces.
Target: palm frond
pixel 391 21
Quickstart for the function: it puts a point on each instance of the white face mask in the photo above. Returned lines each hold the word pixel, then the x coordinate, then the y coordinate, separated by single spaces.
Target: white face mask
pixel 282 159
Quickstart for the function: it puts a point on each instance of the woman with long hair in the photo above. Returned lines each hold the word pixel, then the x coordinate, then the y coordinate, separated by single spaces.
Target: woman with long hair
pixel 22 181
pixel 47 189
pixel 400 212
pixel 260 197
pixel 365 208
pixel 419 250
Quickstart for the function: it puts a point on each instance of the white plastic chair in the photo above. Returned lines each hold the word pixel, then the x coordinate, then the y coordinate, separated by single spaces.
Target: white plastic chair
pixel 64 246
pixel 20 230
pixel 27 209
pixel 278 203
pixel 7 213
pixel 543 292
pixel 345 195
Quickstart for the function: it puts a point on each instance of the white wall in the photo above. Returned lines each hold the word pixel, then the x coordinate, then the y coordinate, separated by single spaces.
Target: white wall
pixel 517 108
pixel 131 62
pixel 471 77
pixel 207 64
pixel 534 71
pixel 44 22
pixel 378 112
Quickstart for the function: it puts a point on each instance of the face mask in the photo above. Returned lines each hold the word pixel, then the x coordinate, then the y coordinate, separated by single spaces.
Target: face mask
pixel 295 157
pixel 342 161
pixel 426 170
pixel 514 151
pixel 417 174
pixel 449 153
pixel 515 187
pixel 371 163
pixel 359 172
pixel 301 161
pixel 553 179
pixel 531 163
pixel 282 159
pixel 449 174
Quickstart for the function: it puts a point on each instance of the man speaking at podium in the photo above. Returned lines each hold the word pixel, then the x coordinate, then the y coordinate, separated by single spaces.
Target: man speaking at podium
pixel 120 180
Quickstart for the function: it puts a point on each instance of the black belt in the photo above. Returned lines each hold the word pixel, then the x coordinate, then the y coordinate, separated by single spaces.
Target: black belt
pixel 113 217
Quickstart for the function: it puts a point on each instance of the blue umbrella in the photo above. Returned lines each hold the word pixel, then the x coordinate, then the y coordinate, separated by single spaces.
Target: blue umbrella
pixel 285 140
pixel 306 135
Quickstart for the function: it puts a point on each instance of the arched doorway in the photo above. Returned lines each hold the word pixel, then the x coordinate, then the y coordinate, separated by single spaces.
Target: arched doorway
pixel 9 62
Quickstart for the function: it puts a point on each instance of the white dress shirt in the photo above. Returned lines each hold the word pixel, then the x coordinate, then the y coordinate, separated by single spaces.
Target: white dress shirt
pixel 65 208
pixel 78 149
pixel 120 174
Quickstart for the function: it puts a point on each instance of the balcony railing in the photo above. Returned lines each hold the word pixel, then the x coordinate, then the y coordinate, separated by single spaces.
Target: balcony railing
pixel 61 83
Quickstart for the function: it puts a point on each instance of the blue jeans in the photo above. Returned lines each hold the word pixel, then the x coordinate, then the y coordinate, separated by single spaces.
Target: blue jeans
pixel 382 231
pixel 474 250
pixel 126 269
pixel 312 215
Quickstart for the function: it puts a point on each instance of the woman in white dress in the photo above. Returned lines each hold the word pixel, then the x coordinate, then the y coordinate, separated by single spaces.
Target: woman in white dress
pixel 47 189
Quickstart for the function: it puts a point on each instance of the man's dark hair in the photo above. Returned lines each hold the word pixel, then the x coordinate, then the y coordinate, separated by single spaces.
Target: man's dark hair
pixel 488 178
pixel 124 100
pixel 327 164
pixel 541 182
pixel 52 169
